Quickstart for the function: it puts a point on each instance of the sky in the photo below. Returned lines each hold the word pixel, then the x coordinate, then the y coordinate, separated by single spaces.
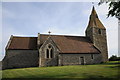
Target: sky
pixel 63 18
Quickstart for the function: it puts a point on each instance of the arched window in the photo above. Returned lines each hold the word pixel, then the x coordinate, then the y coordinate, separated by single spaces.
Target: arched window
pixel 49 51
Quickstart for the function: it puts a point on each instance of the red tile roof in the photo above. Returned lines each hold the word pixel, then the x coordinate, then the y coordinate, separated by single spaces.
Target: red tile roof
pixel 94 20
pixel 23 43
pixel 66 44
pixel 72 44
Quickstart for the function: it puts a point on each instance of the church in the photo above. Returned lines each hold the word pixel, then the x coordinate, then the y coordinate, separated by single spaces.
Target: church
pixel 59 50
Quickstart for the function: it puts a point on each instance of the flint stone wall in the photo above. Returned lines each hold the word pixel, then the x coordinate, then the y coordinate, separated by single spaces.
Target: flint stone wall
pixel 99 41
pixel 43 61
pixel 20 59
pixel 74 59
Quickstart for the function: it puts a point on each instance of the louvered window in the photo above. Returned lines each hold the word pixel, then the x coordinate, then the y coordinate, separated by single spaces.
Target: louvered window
pixel 99 31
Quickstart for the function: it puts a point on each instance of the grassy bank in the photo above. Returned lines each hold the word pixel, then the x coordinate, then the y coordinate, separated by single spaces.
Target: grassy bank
pixel 106 70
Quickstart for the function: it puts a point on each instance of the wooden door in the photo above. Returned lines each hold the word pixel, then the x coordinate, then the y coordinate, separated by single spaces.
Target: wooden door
pixel 82 60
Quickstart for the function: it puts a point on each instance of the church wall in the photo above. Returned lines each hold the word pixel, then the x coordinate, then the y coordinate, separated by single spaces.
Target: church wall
pixel 89 33
pixel 74 59
pixel 43 61
pixel 20 58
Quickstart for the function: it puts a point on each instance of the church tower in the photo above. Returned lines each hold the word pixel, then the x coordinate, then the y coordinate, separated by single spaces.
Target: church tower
pixel 97 33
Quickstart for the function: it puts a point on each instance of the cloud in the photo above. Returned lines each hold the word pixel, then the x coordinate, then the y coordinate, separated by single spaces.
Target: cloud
pixel 112 32
pixel 102 10
pixel 6 33
pixel 1 31
pixel 51 1
pixel 65 31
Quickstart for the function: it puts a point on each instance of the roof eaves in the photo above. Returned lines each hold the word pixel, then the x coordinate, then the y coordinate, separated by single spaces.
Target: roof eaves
pixel 9 42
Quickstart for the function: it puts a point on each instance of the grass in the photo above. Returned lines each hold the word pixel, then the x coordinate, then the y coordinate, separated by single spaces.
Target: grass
pixel 106 70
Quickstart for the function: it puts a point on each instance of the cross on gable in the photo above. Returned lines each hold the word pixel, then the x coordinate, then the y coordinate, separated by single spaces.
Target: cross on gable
pixel 49 32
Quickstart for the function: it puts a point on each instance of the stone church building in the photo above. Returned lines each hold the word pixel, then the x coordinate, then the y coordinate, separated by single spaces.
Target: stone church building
pixel 59 50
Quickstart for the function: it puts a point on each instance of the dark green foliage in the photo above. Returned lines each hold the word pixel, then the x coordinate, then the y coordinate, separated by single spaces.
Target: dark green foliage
pixel 114 8
pixel 114 58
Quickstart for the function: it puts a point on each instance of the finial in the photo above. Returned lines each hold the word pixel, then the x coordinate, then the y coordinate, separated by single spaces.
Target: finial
pixel 49 32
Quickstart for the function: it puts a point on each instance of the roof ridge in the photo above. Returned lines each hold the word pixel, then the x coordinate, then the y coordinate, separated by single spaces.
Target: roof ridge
pixel 63 35
pixel 23 37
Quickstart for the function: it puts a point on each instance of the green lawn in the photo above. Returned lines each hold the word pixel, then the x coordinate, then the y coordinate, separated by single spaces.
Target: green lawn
pixel 106 70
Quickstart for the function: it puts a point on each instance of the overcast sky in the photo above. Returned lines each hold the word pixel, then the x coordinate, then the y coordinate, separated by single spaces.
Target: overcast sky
pixel 63 18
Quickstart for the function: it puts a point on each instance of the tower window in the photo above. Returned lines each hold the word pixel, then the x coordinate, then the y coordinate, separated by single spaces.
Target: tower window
pixel 49 52
pixel 99 31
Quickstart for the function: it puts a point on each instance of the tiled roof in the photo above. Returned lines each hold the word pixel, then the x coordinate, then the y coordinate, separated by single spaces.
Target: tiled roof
pixel 66 44
pixel 23 43
pixel 94 20
pixel 71 44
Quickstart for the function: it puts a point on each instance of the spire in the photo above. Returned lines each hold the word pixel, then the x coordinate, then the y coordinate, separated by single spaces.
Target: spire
pixel 94 20
pixel 93 13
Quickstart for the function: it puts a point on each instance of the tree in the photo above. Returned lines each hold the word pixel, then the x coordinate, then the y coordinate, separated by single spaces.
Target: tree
pixel 114 58
pixel 114 8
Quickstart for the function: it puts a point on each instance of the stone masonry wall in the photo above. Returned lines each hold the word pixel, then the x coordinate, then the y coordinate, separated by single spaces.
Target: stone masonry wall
pixel 99 40
pixel 43 61
pixel 20 59
pixel 74 59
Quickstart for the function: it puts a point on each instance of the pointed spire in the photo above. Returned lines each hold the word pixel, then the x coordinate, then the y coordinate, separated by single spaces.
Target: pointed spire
pixel 93 13
pixel 93 10
pixel 94 20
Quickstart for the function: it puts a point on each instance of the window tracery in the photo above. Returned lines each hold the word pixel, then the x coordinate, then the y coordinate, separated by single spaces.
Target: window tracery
pixel 49 51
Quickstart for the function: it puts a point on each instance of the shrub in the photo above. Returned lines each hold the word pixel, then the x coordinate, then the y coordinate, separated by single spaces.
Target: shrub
pixel 114 58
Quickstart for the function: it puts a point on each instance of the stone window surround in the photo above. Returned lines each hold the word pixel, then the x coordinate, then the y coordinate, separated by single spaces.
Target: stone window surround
pixel 80 60
pixel 52 48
